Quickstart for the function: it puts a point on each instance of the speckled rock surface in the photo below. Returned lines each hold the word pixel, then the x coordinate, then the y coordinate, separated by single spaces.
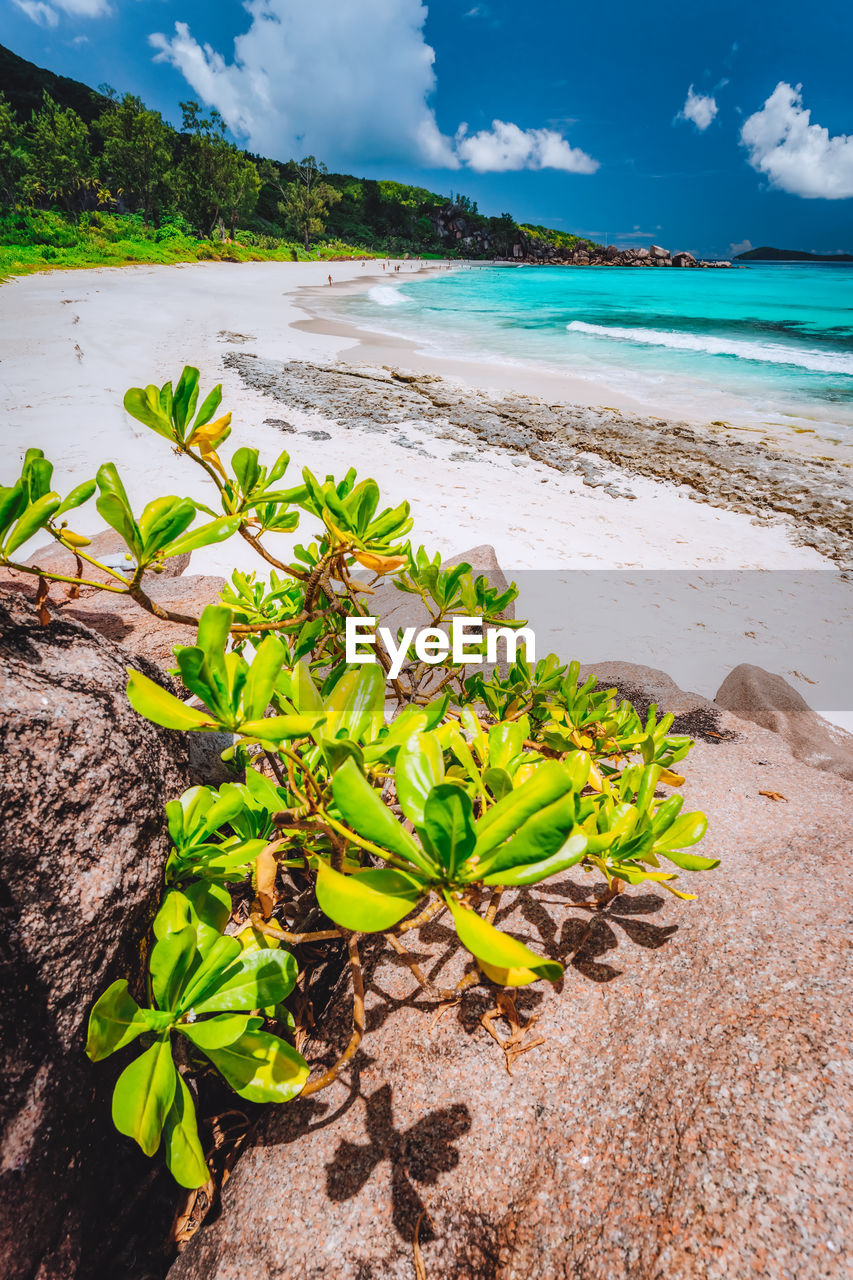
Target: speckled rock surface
pixel 82 846
pixel 755 694
pixel 121 619
pixel 687 1115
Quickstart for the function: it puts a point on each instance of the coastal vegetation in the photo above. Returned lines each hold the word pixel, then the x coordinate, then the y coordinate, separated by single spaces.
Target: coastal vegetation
pixel 362 803
pixel 97 178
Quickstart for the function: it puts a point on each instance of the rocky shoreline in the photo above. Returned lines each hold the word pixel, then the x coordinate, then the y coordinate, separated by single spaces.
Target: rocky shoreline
pixel 604 446
pixel 541 253
pixel 460 232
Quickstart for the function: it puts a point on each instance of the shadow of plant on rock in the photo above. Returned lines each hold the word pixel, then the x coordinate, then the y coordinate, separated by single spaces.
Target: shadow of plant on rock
pixel 582 940
pixel 418 1155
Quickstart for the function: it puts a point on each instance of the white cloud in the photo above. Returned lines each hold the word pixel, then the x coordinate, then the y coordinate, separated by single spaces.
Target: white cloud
pixel 46 14
pixel 743 246
pixel 506 146
pixel 351 84
pixel 700 108
pixel 85 8
pixel 797 156
pixel 42 14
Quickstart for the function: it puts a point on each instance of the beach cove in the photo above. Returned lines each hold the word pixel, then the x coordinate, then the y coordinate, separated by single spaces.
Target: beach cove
pixel 558 473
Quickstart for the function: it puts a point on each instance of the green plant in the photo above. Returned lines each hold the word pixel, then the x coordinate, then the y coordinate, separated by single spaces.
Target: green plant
pixel 203 985
pixel 369 797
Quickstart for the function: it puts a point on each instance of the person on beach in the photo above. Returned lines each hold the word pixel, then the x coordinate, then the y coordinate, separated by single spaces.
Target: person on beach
pixel 330 280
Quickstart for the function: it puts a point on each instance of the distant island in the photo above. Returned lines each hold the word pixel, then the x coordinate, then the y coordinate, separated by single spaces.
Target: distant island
pixel 766 254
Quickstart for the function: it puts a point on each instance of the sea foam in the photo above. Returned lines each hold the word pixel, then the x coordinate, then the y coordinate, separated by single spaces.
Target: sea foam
pixel 385 295
pixel 764 352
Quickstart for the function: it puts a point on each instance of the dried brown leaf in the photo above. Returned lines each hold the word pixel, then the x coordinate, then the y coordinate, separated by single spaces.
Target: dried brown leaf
pixel 266 871
pixel 41 601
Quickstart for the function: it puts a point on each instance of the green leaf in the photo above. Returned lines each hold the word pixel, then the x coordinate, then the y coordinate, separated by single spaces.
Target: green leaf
pixel 449 825
pixel 82 493
pixel 498 953
pixel 362 808
pixel 686 830
pixel 144 405
pixel 114 506
pixel 498 781
pixel 173 959
pixel 540 836
pixel 254 979
pixel 368 901
pixel 550 781
pixel 12 502
pixel 143 1095
pixel 214 628
pixel 205 535
pixel 357 703
pixel 211 403
pixel 244 464
pixel 688 861
pixel 216 1033
pixel 569 855
pixel 204 980
pixel 161 521
pixel 418 768
pixel 157 704
pixel 261 1067
pixel 184 1155
pixel 277 728
pixel 205 906
pixel 184 398
pixel 33 519
pixel 263 672
pixel 305 696
pixel 115 1021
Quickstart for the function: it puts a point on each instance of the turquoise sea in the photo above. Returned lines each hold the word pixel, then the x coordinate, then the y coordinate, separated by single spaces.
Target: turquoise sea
pixel 769 343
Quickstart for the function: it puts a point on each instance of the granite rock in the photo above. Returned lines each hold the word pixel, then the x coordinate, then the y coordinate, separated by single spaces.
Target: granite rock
pixel 82 846
pixel 687 1114
pixel 143 634
pixel 751 693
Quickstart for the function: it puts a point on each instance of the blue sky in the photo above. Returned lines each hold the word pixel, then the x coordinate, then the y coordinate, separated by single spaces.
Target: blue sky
pixel 697 128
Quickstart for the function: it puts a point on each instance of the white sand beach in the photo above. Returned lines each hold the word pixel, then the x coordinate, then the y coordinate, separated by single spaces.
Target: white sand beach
pixel 73 342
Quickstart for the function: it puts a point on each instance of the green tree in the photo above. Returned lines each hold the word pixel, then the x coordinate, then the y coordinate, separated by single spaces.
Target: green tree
pixel 241 188
pixel 216 179
pixel 307 200
pixel 137 158
pixel 13 157
pixel 61 168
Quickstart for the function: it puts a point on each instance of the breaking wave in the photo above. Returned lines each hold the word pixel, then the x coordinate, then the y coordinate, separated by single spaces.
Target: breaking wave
pixel 763 352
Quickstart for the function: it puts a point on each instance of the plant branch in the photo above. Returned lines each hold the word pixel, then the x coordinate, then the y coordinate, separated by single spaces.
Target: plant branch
pixel 314 1086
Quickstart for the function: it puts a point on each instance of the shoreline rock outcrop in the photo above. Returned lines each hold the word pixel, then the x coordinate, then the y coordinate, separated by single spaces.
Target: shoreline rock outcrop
pixel 83 842
pixel 461 230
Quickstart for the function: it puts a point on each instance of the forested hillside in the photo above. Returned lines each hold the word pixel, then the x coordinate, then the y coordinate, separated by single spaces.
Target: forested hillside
pixel 90 176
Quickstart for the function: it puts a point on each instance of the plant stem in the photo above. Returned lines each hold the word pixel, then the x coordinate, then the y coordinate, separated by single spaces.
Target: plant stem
pixel 429 913
pixel 61 577
pixel 294 939
pixel 494 903
pixel 314 1086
